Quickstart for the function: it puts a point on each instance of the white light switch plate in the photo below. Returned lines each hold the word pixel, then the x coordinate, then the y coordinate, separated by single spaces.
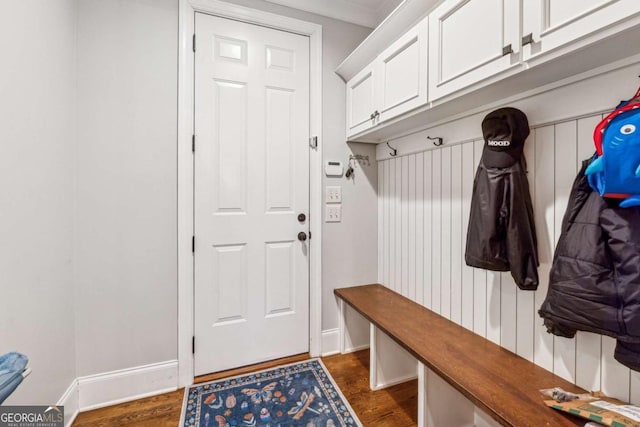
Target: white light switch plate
pixel 333 213
pixel 333 194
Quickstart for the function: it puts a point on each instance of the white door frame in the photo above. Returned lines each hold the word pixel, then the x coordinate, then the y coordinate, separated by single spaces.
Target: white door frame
pixel 185 167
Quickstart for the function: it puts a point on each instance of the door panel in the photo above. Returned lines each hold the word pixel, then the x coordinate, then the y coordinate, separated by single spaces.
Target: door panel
pixel 280 282
pixel 403 73
pixel 469 41
pixel 361 101
pixel 561 11
pixel 280 147
pixel 229 267
pixel 251 181
pixel 229 144
pixel 463 51
pixel 557 23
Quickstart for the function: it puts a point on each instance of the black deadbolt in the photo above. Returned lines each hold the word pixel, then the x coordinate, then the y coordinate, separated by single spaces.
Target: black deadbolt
pixel 302 217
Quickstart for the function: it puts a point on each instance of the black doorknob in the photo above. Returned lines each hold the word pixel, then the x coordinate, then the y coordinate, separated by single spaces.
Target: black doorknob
pixel 302 217
pixel 302 236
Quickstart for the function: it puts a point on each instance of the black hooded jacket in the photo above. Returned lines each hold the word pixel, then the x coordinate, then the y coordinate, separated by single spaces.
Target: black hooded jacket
pixel 502 233
pixel 594 284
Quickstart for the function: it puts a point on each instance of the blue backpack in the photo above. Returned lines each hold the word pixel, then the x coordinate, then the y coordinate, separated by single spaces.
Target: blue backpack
pixel 614 171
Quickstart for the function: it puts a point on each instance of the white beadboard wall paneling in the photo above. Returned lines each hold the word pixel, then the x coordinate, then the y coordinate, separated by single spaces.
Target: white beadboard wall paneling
pixel 526 311
pixel 634 387
pixel 436 230
pixel 616 379
pixel 564 363
pixel 398 225
pixel 479 275
pixel 391 230
pixel 588 346
pixel 468 173
pixel 411 224
pixel 404 228
pixel 545 225
pixel 427 234
pixel 381 200
pixel 383 238
pixel 424 214
pixel 457 242
pixel 420 225
pixel 445 237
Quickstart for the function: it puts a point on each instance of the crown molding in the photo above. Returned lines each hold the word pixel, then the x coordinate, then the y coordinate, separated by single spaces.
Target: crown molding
pixel 344 10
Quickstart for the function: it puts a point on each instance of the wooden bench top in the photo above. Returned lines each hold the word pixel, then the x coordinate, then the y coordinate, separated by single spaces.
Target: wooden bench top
pixel 499 382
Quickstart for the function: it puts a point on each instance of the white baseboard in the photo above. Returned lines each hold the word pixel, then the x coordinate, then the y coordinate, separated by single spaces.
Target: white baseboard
pixel 356 348
pixel 111 388
pixel 331 343
pixel 71 402
pixel 395 381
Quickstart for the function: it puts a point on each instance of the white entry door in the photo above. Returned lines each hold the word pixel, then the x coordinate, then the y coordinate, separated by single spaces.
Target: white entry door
pixel 251 184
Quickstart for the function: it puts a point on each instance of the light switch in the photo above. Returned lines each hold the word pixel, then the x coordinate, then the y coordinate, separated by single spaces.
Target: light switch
pixel 333 194
pixel 333 213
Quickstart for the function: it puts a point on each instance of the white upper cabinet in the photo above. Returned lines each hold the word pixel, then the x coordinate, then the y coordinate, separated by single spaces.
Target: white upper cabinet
pixel 402 74
pixel 469 53
pixel 361 100
pixel 471 40
pixel 394 83
pixel 549 24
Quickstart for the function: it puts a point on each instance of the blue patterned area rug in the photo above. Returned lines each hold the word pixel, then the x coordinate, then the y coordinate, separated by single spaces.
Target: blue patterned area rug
pixel 300 394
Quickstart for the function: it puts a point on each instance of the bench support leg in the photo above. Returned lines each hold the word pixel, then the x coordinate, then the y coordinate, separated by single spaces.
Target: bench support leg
pixel 422 395
pixel 390 364
pixel 342 324
pixel 353 330
pixel 439 404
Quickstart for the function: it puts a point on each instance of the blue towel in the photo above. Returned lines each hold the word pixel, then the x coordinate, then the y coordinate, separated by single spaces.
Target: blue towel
pixel 11 367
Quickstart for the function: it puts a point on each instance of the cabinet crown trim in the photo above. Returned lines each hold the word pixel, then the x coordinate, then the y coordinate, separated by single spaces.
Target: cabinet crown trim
pixel 405 15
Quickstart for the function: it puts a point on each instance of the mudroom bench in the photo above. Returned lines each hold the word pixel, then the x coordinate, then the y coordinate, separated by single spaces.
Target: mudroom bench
pixel 463 379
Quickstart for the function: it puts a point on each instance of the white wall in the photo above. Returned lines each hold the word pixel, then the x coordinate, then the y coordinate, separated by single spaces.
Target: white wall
pixel 349 248
pixel 125 245
pixel 424 211
pixel 37 145
pixel 126 229
pixel 89 260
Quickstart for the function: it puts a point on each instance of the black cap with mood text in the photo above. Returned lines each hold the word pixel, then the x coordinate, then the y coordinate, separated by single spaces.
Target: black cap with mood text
pixel 504 131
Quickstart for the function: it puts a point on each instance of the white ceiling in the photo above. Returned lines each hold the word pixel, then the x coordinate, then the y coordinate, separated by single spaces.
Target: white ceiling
pixel 368 13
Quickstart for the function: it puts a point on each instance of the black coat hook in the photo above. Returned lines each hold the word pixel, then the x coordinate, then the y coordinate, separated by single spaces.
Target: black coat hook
pixel 393 152
pixel 437 141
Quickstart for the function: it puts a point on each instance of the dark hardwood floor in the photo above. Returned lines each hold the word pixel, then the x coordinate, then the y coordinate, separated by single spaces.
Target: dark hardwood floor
pixel 392 407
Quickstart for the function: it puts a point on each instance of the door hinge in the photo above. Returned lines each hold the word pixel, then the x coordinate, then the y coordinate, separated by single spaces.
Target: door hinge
pixel 193 344
pixel 194 42
pixel 193 143
pixel 193 244
pixel 313 142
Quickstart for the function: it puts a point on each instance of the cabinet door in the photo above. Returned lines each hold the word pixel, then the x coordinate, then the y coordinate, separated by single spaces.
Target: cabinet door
pixel 554 23
pixel 402 74
pixel 469 41
pixel 361 101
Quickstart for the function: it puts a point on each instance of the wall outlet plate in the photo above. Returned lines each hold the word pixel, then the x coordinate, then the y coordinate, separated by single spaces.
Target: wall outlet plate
pixel 333 213
pixel 333 194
